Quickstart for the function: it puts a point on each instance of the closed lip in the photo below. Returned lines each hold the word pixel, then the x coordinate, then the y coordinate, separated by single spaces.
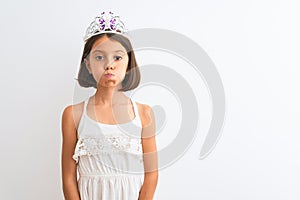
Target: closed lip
pixel 109 74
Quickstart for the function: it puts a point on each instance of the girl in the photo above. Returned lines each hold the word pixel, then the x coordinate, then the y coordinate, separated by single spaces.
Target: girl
pixel 113 164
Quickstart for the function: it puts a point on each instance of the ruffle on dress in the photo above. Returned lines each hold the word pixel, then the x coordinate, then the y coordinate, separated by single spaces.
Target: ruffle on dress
pixel 114 143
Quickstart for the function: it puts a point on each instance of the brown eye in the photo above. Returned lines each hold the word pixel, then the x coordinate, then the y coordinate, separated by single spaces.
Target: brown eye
pixel 118 57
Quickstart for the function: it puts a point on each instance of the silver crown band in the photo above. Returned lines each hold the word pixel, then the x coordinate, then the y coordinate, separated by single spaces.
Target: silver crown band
pixel 108 23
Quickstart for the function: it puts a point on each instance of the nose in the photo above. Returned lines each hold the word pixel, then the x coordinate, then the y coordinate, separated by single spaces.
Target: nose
pixel 110 65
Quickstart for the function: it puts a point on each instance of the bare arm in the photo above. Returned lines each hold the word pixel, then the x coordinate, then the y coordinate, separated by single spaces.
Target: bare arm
pixel 69 170
pixel 150 155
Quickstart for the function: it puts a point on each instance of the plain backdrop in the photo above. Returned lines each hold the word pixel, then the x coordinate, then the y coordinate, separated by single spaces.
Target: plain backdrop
pixel 254 45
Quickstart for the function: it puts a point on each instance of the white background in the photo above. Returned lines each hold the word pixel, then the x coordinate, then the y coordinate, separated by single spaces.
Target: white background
pixel 254 45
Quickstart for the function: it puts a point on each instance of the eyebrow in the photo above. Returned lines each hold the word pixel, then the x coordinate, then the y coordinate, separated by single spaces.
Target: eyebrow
pixel 97 50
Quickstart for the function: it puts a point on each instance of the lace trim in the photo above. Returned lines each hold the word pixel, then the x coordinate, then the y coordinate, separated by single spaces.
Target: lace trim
pixel 106 145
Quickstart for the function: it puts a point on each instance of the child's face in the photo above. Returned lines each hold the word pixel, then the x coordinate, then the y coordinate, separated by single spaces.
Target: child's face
pixel 107 56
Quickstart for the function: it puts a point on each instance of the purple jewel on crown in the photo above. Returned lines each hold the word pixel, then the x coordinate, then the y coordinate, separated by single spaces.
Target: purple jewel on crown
pixel 105 23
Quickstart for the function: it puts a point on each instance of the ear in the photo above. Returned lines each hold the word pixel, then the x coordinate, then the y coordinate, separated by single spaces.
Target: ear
pixel 87 64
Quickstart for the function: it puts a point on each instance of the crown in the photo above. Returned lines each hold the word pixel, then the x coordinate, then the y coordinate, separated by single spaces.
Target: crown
pixel 105 23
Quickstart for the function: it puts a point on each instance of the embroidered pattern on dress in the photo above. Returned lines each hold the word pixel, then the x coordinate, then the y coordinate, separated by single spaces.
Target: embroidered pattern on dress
pixel 113 143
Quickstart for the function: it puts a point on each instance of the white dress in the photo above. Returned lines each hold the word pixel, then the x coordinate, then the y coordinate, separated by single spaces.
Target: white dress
pixel 109 158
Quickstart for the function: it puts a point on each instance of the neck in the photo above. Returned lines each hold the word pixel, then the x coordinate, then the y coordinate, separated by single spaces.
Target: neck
pixel 108 96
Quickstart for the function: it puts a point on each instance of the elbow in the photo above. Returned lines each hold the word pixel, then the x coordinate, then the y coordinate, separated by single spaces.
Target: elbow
pixel 149 186
pixel 70 190
pixel 68 184
pixel 152 177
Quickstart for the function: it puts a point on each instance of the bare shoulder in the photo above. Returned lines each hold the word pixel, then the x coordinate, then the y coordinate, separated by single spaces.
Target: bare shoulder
pixel 148 133
pixel 146 114
pixel 70 118
pixel 72 114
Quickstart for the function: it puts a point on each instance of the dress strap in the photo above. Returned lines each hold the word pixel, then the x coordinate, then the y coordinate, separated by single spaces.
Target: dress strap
pixel 85 105
pixel 135 108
